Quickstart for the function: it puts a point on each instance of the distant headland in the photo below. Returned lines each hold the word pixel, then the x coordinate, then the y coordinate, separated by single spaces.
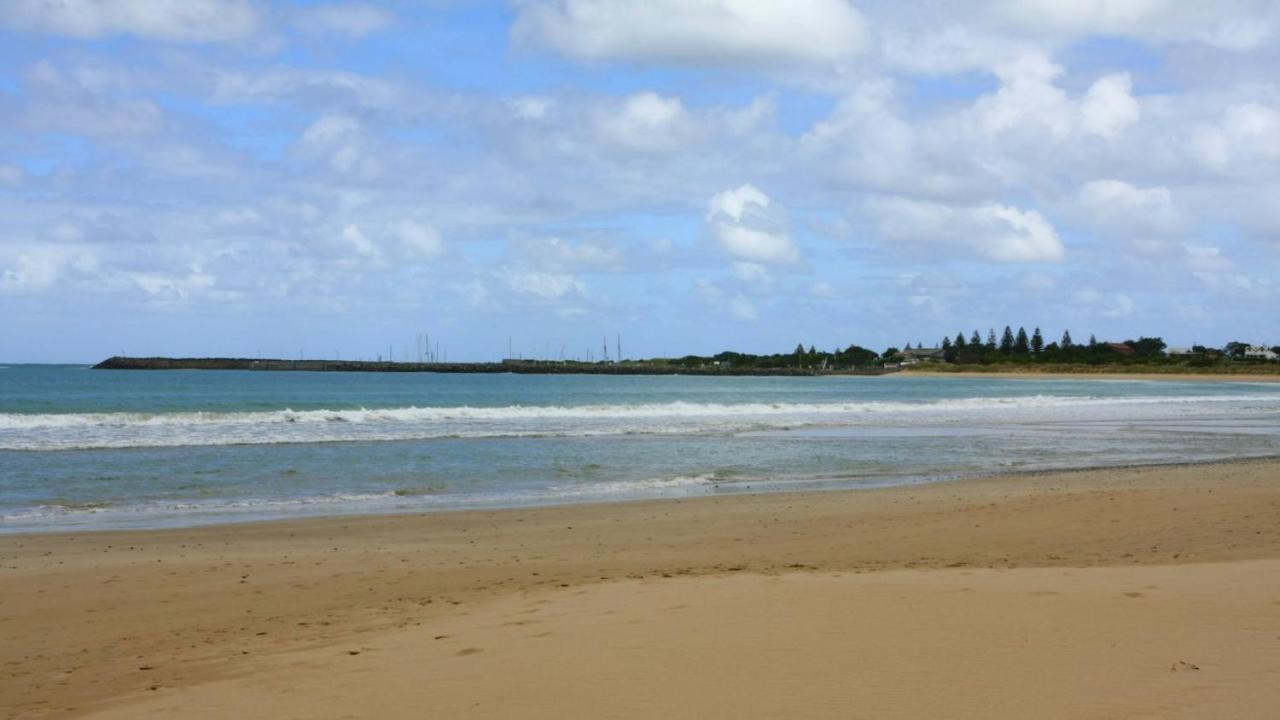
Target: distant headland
pixel 524 367
pixel 1019 352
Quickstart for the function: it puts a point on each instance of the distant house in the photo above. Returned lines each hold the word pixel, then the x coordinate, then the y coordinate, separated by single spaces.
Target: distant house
pixel 1121 348
pixel 1180 352
pixel 1258 352
pixel 918 355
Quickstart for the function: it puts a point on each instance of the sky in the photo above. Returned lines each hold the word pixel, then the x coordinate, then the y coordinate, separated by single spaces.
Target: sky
pixel 320 179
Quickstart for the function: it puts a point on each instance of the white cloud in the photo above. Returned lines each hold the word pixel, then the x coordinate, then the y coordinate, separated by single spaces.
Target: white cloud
pixel 1245 140
pixel 171 20
pixel 420 242
pixel 697 32
pixel 355 19
pixel 38 268
pixel 173 287
pixel 1027 98
pixel 866 143
pixel 950 48
pixel 646 122
pixel 753 273
pixel 757 245
pixel 738 203
pixel 1027 133
pixel 992 230
pixel 329 130
pixel 822 289
pixel 1121 209
pixel 531 107
pixel 548 286
pixel 311 88
pixel 742 222
pixel 560 255
pixel 1108 108
pixel 1207 259
pixel 1013 235
pixel 1120 305
pixel 1112 305
pixel 339 140
pixel 70 102
pixel 1218 273
pixel 750 118
pixel 355 238
pixel 1229 24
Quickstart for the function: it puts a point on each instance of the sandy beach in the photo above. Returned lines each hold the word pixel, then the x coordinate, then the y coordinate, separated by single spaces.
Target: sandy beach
pixel 1149 592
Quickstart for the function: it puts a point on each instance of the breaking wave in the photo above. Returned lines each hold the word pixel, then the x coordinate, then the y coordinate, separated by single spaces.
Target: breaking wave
pixel 63 431
pixel 52 514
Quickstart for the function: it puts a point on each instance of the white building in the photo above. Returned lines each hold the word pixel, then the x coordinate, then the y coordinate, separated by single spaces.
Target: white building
pixel 1258 352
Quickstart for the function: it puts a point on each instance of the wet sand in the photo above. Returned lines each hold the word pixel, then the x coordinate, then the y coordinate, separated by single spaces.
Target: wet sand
pixel 1110 593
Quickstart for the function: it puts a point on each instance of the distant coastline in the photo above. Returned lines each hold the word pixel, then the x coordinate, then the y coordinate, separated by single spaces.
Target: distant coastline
pixel 1239 373
pixel 1136 371
pixel 522 367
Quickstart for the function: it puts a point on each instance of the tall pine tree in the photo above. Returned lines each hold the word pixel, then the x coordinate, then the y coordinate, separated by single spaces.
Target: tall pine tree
pixel 1006 341
pixel 1037 342
pixel 1066 340
pixel 1020 345
pixel 991 338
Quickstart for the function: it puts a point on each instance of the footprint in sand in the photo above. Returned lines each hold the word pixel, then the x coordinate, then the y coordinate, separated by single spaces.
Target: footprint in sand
pixel 1134 595
pixel 469 651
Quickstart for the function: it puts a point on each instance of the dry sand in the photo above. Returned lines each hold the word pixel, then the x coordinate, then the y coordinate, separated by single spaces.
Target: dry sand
pixel 1121 593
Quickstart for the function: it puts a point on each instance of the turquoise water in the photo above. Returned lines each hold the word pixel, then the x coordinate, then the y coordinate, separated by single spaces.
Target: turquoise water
pixel 81 448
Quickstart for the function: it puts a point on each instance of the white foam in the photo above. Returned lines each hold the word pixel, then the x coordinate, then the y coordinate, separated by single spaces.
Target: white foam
pixel 52 431
pixel 186 512
pixel 646 486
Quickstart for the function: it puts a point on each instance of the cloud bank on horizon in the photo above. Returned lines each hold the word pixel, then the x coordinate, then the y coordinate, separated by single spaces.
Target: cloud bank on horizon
pixel 242 177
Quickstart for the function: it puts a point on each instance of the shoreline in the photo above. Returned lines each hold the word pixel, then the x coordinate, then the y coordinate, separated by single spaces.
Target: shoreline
pixel 405 512
pixel 94 620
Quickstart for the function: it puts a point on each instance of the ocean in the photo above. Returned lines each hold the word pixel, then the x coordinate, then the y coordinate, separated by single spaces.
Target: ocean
pixel 93 449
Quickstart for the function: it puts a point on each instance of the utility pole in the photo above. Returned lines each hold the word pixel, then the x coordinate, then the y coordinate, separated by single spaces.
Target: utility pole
pixel 605 345
pixel 619 347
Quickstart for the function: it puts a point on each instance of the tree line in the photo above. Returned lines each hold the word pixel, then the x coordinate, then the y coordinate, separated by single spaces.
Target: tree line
pixel 974 348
